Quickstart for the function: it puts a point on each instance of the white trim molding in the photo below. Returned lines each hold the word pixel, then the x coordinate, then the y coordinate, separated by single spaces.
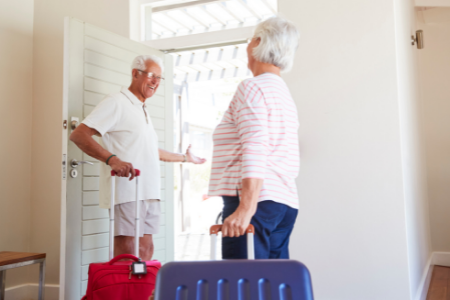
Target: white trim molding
pixel 30 291
pixel 436 259
pixel 422 290
pixel 202 39
pixel 441 259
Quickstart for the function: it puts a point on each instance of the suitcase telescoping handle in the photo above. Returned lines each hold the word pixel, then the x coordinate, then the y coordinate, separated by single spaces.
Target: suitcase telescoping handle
pixel 111 216
pixel 250 240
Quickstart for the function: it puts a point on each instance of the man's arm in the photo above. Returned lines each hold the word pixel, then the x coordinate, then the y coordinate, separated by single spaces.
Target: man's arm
pixel 82 137
pixel 177 157
pixel 170 156
pixel 236 224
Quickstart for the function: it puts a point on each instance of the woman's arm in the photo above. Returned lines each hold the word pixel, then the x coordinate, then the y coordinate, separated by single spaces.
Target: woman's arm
pixel 236 224
pixel 251 123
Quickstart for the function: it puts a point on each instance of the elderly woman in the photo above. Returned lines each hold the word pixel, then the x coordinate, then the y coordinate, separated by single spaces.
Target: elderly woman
pixel 256 154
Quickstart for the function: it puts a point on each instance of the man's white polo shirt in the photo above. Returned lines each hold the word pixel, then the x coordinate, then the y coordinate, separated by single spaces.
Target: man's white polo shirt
pixel 127 131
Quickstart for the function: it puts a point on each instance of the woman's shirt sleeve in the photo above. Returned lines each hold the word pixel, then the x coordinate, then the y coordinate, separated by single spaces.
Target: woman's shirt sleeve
pixel 251 117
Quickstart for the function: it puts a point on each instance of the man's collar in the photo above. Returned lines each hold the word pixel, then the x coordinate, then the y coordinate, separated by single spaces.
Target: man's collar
pixel 132 97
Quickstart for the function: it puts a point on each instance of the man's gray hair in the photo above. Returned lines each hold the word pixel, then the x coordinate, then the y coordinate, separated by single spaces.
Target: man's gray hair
pixel 279 41
pixel 139 62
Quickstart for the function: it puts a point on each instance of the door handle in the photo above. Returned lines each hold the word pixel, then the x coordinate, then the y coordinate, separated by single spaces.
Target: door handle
pixel 74 163
pixel 74 122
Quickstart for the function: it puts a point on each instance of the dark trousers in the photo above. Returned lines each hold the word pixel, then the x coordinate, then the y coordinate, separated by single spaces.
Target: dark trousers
pixel 273 223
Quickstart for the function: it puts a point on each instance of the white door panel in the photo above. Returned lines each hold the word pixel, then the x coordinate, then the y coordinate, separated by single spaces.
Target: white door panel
pixel 156 100
pixel 101 60
pixel 84 272
pixel 95 241
pixel 94 212
pixel 95 255
pixel 108 49
pixel 88 158
pixel 91 98
pixel 90 198
pixel 95 226
pixel 100 87
pixel 97 63
pixel 106 75
pixel 91 170
pixel 90 183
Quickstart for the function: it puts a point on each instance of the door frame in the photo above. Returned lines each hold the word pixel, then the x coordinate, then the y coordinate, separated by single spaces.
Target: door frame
pixel 64 164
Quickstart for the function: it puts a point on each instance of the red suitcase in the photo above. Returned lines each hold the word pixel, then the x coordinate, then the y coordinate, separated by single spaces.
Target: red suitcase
pixel 115 280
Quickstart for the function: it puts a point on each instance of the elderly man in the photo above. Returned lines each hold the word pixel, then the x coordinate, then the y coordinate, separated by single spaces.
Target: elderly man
pixel 129 142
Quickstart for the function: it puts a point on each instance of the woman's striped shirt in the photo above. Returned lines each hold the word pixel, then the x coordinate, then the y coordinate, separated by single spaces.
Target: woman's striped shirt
pixel 258 138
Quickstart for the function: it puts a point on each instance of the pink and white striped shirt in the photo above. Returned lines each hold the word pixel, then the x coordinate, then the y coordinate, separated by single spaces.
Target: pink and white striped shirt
pixel 257 138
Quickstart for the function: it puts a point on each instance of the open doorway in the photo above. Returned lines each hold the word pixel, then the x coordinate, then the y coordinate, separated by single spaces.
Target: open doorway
pixel 203 93
pixel 207 39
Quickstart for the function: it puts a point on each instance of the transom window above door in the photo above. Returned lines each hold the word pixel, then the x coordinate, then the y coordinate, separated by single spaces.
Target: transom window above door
pixel 180 18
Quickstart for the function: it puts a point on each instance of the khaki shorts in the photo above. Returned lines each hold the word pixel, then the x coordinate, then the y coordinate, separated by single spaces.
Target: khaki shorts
pixel 124 215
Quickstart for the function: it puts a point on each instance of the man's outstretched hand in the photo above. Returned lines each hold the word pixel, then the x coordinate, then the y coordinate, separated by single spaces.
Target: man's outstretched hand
pixel 192 158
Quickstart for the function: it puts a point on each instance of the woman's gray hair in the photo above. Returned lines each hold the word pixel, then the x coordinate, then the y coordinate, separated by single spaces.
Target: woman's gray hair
pixel 279 40
pixel 139 62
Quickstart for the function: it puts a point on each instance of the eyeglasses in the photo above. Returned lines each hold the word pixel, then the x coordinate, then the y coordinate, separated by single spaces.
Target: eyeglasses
pixel 152 75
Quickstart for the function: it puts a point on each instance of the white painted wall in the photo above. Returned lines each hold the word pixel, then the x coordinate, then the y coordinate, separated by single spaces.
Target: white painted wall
pixel 412 150
pixel 49 16
pixel 360 219
pixel 434 72
pixel 16 71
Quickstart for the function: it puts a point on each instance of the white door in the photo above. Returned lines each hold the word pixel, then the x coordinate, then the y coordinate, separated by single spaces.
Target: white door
pixel 97 63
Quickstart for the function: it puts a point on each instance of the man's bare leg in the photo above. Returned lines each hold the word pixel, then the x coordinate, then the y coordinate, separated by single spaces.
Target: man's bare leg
pixel 146 247
pixel 125 245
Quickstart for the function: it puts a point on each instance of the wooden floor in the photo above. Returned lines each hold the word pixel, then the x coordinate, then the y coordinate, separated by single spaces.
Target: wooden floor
pixel 440 284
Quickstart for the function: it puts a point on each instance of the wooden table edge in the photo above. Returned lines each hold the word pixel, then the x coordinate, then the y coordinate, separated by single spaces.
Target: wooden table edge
pixel 26 257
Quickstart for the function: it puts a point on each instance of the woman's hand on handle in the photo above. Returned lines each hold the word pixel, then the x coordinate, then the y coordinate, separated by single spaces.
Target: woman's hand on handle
pixel 236 224
pixel 122 169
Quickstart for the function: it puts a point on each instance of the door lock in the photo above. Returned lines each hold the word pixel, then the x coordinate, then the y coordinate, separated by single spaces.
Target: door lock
pixel 73 173
pixel 74 163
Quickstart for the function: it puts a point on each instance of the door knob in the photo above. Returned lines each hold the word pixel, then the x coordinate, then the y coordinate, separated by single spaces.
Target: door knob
pixel 74 163
pixel 74 122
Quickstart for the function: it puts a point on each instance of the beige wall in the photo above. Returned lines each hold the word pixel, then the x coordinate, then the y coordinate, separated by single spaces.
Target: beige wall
pixel 434 70
pixel 16 67
pixel 47 111
pixel 356 227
